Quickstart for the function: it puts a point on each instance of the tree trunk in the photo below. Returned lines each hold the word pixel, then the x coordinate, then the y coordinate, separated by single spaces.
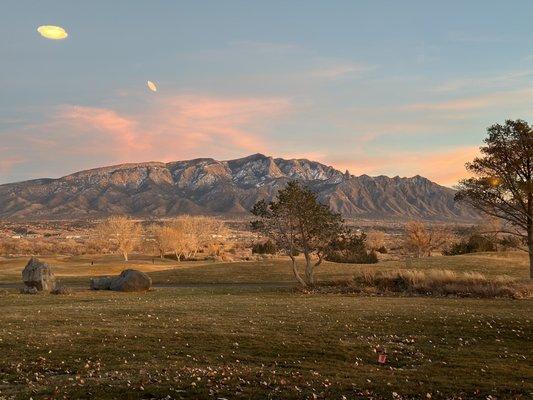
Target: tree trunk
pixel 309 269
pixel 530 248
pixel 295 271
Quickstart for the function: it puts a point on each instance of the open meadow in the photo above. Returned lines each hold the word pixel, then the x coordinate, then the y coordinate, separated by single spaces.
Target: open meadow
pixel 240 330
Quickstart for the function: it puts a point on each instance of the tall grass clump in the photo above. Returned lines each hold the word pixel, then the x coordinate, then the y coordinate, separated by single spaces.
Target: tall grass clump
pixel 429 283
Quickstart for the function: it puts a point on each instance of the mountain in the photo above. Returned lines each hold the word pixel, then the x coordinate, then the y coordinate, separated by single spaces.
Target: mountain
pixel 208 186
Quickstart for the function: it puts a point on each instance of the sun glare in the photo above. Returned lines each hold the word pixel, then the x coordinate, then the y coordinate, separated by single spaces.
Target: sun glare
pixel 52 32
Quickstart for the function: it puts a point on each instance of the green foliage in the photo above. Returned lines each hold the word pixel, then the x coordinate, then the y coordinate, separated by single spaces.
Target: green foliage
pixel 502 185
pixel 350 248
pixel 298 223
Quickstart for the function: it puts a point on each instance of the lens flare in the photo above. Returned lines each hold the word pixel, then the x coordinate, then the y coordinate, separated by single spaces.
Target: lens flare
pixel 52 32
pixel 495 181
pixel 152 86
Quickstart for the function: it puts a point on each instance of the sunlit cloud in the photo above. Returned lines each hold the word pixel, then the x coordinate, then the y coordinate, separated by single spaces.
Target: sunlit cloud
pixel 168 129
pixel 52 32
pixel 446 166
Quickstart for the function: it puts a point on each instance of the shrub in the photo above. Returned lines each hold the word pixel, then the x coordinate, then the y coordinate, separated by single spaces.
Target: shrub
pixel 61 290
pixel 268 247
pixel 430 283
pixel 351 248
pixel 382 250
pixel 473 244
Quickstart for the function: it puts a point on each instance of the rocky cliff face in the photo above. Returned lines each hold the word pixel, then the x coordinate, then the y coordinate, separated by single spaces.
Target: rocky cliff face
pixel 208 186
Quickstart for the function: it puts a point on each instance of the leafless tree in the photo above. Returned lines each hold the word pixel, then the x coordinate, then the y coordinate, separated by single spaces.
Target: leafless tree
pixel 422 240
pixel 122 232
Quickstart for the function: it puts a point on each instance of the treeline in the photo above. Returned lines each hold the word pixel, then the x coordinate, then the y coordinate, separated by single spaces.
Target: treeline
pixel 183 238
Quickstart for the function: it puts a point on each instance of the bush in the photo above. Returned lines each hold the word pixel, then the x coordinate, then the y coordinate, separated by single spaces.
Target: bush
pixel 382 250
pixel 430 283
pixel 475 243
pixel 61 290
pixel 351 248
pixel 268 247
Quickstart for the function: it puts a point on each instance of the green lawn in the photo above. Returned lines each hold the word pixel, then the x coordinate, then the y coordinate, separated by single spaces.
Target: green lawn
pixel 260 341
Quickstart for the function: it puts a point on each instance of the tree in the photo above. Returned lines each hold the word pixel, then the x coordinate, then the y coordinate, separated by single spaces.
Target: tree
pixel 502 185
pixel 165 238
pixel 423 240
pixel 298 223
pixel 122 232
pixel 195 233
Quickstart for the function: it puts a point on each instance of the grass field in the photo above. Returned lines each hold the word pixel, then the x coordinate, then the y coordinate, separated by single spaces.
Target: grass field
pixel 240 331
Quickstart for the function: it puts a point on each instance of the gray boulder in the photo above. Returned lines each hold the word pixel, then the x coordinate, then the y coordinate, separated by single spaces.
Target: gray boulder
pixel 129 280
pixel 101 283
pixel 38 275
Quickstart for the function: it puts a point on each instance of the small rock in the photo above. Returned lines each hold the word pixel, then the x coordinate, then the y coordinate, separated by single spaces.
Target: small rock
pixel 29 290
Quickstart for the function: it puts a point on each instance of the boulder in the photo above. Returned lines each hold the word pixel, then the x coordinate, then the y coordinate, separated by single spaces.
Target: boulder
pixel 101 283
pixel 131 280
pixel 38 275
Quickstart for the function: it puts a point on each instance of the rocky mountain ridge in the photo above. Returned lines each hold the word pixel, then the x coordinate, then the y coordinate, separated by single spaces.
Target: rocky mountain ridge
pixel 230 188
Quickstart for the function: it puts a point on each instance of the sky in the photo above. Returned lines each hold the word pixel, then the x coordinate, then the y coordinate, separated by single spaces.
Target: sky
pixel 375 87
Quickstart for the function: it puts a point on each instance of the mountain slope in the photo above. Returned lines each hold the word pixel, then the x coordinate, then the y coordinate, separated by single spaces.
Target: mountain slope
pixel 208 186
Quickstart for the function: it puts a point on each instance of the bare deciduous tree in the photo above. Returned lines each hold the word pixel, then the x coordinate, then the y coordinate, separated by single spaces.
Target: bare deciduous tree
pixel 190 234
pixel 165 238
pixel 422 240
pixel 122 232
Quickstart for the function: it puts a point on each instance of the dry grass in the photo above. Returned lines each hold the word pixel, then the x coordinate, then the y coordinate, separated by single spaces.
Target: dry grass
pixel 431 283
pixel 239 343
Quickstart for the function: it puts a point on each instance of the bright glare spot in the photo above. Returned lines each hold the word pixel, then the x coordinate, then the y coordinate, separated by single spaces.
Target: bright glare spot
pixel 495 181
pixel 52 32
pixel 152 86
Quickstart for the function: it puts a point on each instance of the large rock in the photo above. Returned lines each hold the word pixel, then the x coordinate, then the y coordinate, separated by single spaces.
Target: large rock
pixel 129 280
pixel 101 283
pixel 38 275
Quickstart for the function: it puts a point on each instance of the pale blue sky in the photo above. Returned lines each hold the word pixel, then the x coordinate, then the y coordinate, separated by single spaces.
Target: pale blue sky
pixel 379 87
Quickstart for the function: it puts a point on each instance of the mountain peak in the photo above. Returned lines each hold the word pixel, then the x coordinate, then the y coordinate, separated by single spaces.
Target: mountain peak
pixel 208 186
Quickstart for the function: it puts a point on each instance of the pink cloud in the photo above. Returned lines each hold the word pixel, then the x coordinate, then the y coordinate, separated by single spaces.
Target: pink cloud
pixel 442 166
pixel 168 129
pixel 7 163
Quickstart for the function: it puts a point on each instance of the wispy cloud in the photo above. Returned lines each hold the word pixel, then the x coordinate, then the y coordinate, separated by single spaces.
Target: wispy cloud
pixel 7 163
pixel 504 80
pixel 172 128
pixel 338 70
pixel 505 98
